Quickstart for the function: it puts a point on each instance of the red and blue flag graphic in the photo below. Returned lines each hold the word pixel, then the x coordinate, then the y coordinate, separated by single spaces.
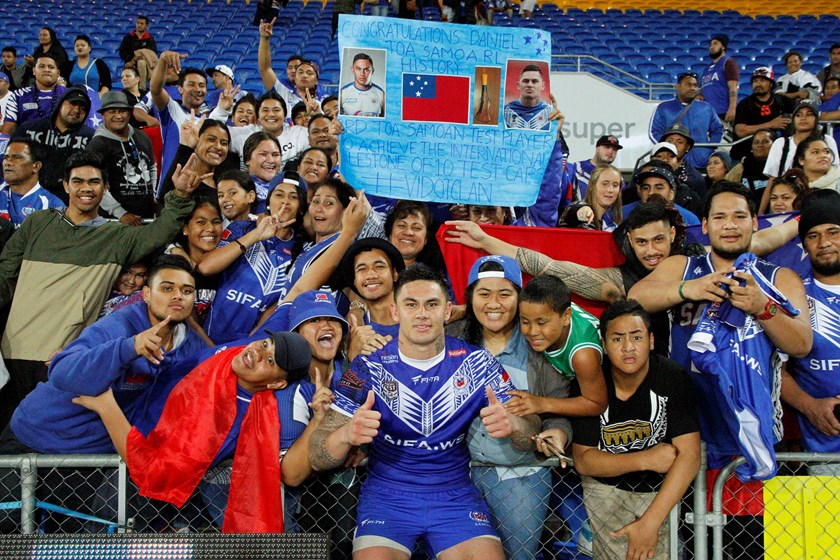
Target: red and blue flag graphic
pixel 435 98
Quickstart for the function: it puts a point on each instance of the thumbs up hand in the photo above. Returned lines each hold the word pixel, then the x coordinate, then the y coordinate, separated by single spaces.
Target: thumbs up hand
pixel 364 426
pixel 496 419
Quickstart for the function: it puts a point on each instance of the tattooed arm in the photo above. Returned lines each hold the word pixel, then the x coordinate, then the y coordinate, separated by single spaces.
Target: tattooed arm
pixel 601 284
pixel 338 433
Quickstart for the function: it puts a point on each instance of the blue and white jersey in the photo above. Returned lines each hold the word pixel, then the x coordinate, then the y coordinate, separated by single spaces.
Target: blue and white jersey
pixel 818 373
pixel 30 103
pixel 16 207
pixel 248 286
pixel 262 194
pixel 362 102
pixel 171 118
pixel 427 407
pixel 736 382
pixel 302 262
pixel 518 115
pixel 584 172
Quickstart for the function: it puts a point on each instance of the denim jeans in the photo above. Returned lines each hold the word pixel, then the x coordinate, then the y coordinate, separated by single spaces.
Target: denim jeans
pixel 518 507
pixel 379 10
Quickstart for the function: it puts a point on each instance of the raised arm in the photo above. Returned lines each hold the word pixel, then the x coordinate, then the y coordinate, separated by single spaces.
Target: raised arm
pixel 601 284
pixel 269 77
pixel 767 240
pixel 168 59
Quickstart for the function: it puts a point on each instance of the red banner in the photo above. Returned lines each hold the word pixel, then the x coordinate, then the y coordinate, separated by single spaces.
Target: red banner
pixel 592 248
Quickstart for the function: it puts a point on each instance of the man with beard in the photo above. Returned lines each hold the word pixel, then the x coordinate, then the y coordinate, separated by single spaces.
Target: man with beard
pixel 37 101
pixel 810 384
pixel 192 85
pixel 271 118
pixel 698 116
pixel 720 81
pixel 761 109
pixel 61 135
pixel 606 150
pixel 131 162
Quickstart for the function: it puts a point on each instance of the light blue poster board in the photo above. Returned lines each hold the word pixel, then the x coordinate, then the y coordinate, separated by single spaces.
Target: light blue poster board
pixel 443 136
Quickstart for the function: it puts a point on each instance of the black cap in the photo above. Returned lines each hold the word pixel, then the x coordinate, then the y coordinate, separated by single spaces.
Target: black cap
pixel 820 207
pixel 656 171
pixel 806 104
pixel 345 273
pixel 291 353
pixel 722 37
pixel 608 141
pixel 77 94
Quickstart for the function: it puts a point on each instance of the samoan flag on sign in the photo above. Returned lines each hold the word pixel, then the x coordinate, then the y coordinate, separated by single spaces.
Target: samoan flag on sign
pixel 436 98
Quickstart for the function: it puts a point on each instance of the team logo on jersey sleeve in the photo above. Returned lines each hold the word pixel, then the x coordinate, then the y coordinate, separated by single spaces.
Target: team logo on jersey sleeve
pixel 479 518
pixel 390 390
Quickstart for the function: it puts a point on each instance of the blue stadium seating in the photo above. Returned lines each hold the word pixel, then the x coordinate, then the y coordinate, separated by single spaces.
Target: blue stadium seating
pixel 649 43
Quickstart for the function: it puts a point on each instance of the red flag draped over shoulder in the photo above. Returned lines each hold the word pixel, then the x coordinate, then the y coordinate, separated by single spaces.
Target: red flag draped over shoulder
pixel 592 248
pixel 198 415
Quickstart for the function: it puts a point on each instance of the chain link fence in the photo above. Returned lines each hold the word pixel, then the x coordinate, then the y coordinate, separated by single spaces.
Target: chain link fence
pixel 539 509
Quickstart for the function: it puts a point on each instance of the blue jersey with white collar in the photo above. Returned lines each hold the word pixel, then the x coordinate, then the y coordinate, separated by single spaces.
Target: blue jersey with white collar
pixel 16 207
pixel 427 407
pixel 518 115
pixel 248 286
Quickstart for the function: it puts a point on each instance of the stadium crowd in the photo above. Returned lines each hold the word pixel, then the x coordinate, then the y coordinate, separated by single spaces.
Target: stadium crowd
pixel 205 305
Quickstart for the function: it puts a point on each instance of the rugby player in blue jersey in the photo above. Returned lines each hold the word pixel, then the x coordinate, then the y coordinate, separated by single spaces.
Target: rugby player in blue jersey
pixel 413 402
pixel 529 111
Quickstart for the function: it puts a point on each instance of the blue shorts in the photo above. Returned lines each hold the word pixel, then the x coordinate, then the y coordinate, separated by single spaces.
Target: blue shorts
pixel 442 519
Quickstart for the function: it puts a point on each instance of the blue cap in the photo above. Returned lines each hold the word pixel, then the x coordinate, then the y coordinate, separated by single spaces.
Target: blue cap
pixel 311 304
pixel 3 76
pixel 510 270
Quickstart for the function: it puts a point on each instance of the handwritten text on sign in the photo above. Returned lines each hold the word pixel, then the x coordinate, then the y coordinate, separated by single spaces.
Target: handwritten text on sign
pixel 443 137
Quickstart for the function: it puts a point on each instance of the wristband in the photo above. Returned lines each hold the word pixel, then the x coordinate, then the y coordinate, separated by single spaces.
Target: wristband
pixel 241 246
pixel 682 295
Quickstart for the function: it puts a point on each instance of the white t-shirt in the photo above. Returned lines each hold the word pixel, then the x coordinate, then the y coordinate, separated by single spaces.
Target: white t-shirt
pixel 774 158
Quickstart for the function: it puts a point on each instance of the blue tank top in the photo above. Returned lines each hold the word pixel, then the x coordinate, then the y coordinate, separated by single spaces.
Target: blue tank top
pixel 714 88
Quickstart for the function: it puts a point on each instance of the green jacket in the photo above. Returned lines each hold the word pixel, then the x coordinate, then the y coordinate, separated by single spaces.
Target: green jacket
pixel 66 271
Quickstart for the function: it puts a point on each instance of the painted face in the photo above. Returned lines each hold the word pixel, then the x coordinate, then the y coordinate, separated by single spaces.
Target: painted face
pixel 244 115
pixel 212 146
pixel 544 328
pixel 271 116
pixel 628 343
pixel 495 303
pixel 265 160
pixel 85 189
pixel 487 215
pixel 421 309
pixel 171 293
pixel 314 167
pixel 729 225
pixel 255 367
pixel 652 243
pixel 284 202
pixel 372 274
pixel 132 279
pixel 204 229
pixel 531 86
pixel 326 211
pixel 323 334
pixel 409 236
pixel 234 201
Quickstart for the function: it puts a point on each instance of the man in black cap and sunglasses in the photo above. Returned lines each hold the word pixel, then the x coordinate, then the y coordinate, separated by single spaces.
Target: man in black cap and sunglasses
pixel 698 116
pixel 131 162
